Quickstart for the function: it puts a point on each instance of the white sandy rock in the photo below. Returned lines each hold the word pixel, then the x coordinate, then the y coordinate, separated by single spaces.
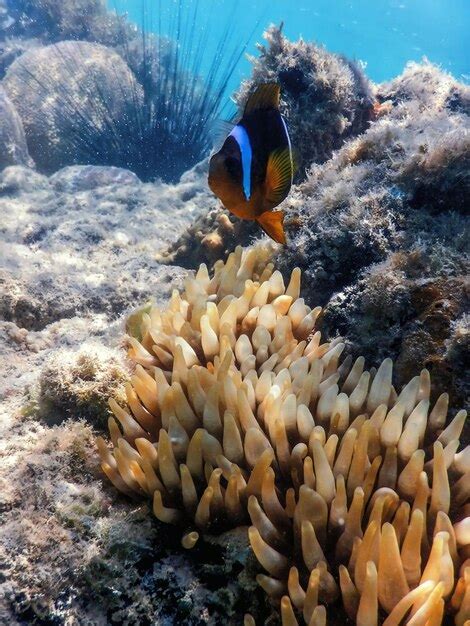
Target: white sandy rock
pixel 87 177
pixel 13 148
pixel 91 251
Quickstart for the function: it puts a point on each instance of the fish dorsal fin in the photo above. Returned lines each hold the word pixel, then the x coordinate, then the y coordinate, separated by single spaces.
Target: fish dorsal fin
pixel 264 97
pixel 279 174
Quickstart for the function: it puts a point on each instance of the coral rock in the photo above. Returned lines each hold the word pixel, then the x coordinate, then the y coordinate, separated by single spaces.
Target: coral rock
pixel 54 90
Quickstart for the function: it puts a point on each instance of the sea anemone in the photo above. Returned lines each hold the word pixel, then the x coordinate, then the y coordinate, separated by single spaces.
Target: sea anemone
pixel 237 411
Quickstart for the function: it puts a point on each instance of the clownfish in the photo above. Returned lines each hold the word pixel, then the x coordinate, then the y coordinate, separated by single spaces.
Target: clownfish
pixel 253 171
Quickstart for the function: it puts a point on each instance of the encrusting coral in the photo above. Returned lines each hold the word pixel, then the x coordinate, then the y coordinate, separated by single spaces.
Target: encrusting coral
pixel 238 412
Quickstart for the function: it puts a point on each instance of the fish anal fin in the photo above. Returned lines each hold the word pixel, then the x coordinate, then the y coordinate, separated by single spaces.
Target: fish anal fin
pixel 279 173
pixel 265 96
pixel 272 222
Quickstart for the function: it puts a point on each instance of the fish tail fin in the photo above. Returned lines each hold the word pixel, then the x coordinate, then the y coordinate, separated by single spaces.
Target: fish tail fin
pixel 272 222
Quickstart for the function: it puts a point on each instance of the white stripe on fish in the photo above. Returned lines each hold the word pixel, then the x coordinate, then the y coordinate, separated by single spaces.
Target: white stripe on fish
pixel 241 137
pixel 290 150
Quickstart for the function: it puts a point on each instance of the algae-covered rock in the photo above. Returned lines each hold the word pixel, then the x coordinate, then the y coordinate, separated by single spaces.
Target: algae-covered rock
pixel 382 229
pixel 72 96
pixel 78 384
pixel 325 98
pixel 88 248
pixel 52 21
pixel 427 86
pixel 377 193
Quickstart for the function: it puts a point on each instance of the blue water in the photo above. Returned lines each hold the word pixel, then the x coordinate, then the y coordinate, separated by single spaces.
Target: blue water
pixel 384 34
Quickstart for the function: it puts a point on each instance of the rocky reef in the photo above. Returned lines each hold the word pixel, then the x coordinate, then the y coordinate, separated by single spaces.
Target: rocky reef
pixel 383 229
pixel 325 97
pixel 380 230
pixel 377 224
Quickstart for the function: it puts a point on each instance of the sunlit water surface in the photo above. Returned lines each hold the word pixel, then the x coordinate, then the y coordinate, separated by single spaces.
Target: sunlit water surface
pixel 384 34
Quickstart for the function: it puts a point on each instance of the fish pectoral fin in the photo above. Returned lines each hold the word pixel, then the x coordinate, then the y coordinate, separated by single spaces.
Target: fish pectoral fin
pixel 218 132
pixel 279 173
pixel 272 222
pixel 264 97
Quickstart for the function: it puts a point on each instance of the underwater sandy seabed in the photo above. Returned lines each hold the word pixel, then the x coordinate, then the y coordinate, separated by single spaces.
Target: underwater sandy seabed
pixel 377 221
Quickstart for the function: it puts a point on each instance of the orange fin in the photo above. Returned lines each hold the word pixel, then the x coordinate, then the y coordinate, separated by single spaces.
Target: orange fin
pixel 272 222
pixel 279 174
pixel 265 97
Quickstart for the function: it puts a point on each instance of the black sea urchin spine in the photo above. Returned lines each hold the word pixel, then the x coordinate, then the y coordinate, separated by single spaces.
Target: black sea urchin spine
pixel 165 116
pixel 182 100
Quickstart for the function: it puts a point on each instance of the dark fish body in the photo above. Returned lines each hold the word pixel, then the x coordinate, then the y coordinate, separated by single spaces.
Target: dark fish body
pixel 252 172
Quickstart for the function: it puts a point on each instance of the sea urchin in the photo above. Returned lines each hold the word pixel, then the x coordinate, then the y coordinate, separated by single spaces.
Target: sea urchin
pixel 238 412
